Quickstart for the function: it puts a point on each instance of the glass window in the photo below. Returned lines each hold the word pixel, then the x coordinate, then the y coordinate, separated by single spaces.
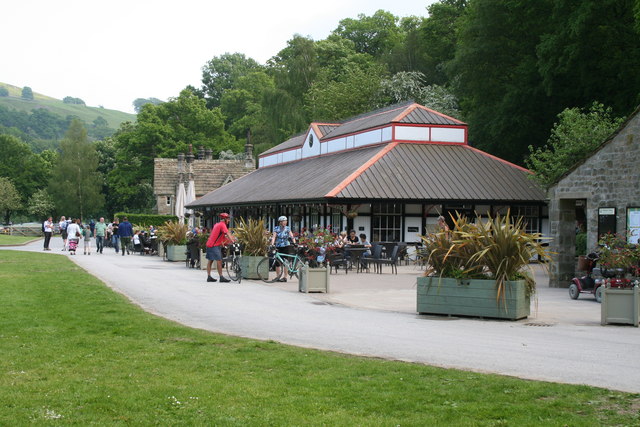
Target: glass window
pixel 386 222
pixel 168 200
pixel 530 215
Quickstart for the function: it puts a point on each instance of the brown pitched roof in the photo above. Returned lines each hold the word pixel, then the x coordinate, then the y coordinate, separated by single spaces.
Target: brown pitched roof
pixel 398 171
pixel 208 174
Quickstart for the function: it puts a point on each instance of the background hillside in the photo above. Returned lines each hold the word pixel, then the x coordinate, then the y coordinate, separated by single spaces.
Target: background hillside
pixel 57 107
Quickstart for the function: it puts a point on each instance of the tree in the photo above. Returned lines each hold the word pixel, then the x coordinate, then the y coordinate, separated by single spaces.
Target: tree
pixel 496 75
pixel 138 103
pixel 404 86
pixel 9 198
pixel 574 137
pixel 221 73
pixel 27 93
pixel 71 100
pixel 28 171
pixel 592 52
pixel 40 204
pixel 375 35
pixel 76 184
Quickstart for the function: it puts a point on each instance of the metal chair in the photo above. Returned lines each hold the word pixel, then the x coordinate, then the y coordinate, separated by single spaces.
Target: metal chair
pixel 392 261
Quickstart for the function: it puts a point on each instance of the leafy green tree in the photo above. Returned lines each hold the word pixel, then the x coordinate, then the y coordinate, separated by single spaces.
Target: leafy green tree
pixel 375 35
pixel 592 52
pixel 496 76
pixel 574 137
pixel 28 171
pixel 138 103
pixel 76 184
pixel 9 198
pixel 41 204
pixel 72 100
pixel 222 72
pixel 27 93
pixel 404 86
pixel 162 130
pixel 4 91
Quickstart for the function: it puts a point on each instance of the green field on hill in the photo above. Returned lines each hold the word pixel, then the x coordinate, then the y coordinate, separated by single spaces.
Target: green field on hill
pixel 56 106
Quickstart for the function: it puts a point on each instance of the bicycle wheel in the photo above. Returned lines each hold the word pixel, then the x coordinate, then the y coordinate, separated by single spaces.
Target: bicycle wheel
pixel 238 269
pixel 233 268
pixel 269 276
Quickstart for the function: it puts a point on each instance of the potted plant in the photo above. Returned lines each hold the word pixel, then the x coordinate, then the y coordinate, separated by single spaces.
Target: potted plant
pixel 479 269
pixel 254 240
pixel 174 235
pixel 314 276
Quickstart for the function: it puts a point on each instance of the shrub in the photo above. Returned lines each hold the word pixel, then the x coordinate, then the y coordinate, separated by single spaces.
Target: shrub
pixel 145 220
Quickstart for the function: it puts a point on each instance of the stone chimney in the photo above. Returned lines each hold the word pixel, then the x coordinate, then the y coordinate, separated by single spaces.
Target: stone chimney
pixel 201 153
pixel 248 152
pixel 181 167
pixel 208 154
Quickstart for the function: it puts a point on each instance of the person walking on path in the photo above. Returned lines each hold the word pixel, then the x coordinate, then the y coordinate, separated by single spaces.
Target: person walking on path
pixel 86 234
pixel 217 239
pixel 125 230
pixel 101 231
pixel 115 239
pixel 74 233
pixel 47 227
pixel 62 226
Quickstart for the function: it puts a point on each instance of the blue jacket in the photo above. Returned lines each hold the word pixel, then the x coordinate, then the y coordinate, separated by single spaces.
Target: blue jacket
pixel 125 229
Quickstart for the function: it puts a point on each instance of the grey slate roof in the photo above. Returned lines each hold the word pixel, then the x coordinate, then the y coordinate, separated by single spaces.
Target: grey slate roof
pixel 403 171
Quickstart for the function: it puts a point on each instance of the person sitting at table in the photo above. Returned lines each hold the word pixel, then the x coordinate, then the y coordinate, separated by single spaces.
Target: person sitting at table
pixel 365 243
pixel 352 239
pixel 341 240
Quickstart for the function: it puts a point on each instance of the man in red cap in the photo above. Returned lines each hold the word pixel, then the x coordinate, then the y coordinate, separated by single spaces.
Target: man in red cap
pixel 217 239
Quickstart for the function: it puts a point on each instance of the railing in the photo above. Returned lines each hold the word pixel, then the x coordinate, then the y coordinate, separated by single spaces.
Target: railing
pixel 25 231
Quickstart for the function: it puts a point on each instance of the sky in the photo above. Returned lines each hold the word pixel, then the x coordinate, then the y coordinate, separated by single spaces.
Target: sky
pixel 109 53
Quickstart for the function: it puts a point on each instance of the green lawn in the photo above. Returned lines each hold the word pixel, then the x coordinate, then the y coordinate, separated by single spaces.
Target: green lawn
pixel 75 352
pixel 6 239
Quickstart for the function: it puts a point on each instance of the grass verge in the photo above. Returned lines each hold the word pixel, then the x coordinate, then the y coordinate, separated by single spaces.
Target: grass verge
pixel 8 240
pixel 75 352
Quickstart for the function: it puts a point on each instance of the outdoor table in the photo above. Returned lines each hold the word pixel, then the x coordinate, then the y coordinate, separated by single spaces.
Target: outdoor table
pixel 355 254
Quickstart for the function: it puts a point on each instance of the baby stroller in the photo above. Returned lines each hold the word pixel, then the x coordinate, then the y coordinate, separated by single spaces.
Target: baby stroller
pixel 73 245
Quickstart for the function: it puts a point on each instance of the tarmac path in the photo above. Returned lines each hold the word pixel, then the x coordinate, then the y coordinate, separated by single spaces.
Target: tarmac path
pixel 374 315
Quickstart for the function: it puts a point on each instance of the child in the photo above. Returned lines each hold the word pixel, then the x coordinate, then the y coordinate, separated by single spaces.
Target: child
pixel 86 233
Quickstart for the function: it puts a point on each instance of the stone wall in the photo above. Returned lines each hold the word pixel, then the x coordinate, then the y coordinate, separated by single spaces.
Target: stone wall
pixel 609 178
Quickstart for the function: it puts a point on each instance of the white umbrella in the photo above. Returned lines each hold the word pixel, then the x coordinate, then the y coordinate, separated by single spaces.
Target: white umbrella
pixel 190 197
pixel 180 201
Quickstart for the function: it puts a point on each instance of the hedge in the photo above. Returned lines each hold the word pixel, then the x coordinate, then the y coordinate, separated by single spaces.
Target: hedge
pixel 146 219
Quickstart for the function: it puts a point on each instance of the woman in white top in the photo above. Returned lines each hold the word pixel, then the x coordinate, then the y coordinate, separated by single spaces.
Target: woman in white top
pixel 73 233
pixel 47 227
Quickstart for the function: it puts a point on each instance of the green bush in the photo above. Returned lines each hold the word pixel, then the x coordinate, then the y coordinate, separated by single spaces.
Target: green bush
pixel 146 219
pixel 581 244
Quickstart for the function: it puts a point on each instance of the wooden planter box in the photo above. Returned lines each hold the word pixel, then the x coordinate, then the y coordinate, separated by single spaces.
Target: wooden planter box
pixel 249 266
pixel 620 306
pixel 313 279
pixel 472 298
pixel 177 252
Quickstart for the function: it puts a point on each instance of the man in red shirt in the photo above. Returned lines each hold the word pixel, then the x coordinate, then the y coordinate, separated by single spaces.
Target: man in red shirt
pixel 217 239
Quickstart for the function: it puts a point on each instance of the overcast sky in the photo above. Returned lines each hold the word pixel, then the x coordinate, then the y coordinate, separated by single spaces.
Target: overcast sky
pixel 111 52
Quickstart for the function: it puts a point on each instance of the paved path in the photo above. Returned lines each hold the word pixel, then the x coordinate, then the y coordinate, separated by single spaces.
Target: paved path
pixel 374 315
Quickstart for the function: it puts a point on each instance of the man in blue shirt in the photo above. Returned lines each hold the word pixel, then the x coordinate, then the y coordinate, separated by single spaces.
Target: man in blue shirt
pixel 125 231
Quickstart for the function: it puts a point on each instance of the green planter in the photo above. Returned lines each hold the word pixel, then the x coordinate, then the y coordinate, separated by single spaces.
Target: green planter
pixel 313 279
pixel 620 306
pixel 472 298
pixel 249 266
pixel 176 252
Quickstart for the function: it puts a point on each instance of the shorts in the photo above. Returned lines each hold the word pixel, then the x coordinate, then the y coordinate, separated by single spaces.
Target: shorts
pixel 289 250
pixel 214 254
pixel 63 233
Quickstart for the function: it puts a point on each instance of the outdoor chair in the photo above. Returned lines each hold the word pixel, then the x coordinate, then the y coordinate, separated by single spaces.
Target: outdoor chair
pixel 392 261
pixel 376 256
pixel 337 260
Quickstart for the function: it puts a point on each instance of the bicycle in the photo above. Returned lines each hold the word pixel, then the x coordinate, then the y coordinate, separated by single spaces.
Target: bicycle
pixel 232 262
pixel 290 263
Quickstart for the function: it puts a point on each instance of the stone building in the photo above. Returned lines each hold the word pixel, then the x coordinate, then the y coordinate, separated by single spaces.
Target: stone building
pixel 606 188
pixel 207 173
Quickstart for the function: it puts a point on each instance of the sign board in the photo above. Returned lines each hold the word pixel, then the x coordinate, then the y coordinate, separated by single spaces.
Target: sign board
pixel 606 221
pixel 633 225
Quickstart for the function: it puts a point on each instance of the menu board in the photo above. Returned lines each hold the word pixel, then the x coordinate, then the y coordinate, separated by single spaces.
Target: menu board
pixel 633 224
